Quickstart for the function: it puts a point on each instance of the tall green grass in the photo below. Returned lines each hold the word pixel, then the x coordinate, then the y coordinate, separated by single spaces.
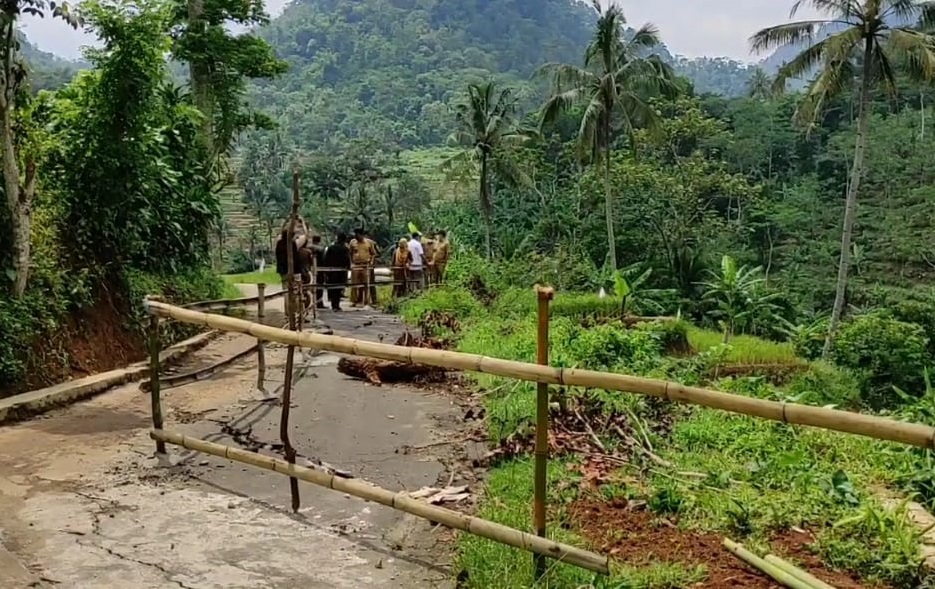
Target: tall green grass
pixel 743 349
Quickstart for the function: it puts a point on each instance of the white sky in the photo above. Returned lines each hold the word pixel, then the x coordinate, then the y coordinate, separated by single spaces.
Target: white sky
pixel 689 27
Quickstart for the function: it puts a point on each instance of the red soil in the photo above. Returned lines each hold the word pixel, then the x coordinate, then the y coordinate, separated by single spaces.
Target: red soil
pixel 639 538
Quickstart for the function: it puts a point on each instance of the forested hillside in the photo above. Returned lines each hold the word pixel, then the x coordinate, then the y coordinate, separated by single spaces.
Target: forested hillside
pixel 386 71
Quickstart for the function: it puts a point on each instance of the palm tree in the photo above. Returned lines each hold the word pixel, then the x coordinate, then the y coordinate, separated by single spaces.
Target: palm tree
pixel 614 84
pixel 760 86
pixel 486 130
pixel 868 44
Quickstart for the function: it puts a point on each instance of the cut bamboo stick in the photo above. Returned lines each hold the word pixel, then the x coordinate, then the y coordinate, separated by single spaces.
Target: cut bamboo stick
pixel 543 296
pixel 795 571
pixel 833 419
pixel 400 501
pixel 155 400
pixel 758 563
pixel 260 346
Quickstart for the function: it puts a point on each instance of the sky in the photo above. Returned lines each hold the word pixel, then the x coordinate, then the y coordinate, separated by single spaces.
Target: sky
pixel 715 28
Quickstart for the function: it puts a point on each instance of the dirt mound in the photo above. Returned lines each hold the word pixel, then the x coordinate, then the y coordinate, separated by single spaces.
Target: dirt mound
pixel 94 339
pixel 637 537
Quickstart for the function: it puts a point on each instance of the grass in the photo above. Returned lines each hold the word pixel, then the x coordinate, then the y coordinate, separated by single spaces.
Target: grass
pixel 750 478
pixel 743 349
pixel 269 277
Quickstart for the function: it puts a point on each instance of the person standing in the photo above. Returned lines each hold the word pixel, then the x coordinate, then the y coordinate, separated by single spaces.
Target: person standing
pixel 318 254
pixel 428 249
pixel 374 254
pixel 442 255
pixel 401 263
pixel 282 264
pixel 338 257
pixel 360 263
pixel 418 262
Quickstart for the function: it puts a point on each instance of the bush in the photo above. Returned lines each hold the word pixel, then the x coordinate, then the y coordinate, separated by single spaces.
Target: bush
pixel 886 352
pixel 450 299
pixel 826 384
pixel 613 346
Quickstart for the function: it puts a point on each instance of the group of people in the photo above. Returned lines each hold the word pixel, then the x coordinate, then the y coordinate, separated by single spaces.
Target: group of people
pixel 417 262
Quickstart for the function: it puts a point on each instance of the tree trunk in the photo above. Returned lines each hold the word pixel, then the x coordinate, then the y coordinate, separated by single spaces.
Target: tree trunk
pixel 200 74
pixel 18 200
pixel 608 200
pixel 850 204
pixel 486 206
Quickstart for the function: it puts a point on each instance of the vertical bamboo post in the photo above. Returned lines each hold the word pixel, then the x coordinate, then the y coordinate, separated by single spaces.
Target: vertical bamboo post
pixel 315 287
pixel 260 347
pixel 543 296
pixel 288 450
pixel 154 378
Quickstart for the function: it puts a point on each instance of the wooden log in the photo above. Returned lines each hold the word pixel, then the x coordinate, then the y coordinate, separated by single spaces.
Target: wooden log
pixel 793 570
pixel 833 419
pixel 543 296
pixel 399 501
pixel 758 563
pixel 378 372
pixel 260 346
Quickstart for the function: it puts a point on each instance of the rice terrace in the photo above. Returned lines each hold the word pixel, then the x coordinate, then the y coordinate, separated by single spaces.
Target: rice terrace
pixel 467 294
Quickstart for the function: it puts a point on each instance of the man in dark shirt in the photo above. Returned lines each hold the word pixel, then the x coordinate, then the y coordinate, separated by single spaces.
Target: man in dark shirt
pixel 337 256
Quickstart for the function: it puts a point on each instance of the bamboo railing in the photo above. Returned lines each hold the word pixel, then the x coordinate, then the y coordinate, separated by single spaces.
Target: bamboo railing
pixel 400 501
pixel 792 413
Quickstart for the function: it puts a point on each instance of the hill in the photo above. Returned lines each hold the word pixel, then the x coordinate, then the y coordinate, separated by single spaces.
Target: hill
pixel 47 71
pixel 383 72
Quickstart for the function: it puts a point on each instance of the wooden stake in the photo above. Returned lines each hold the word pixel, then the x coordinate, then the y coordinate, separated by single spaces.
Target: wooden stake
pixel 400 501
pixel 260 347
pixel 288 450
pixel 871 426
pixel 156 402
pixel 544 295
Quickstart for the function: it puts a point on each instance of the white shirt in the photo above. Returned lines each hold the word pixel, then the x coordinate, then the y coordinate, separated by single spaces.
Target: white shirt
pixel 415 248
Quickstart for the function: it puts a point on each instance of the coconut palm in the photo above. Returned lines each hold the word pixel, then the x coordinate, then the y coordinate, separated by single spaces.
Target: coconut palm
pixel 869 41
pixel 760 86
pixel 618 77
pixel 486 131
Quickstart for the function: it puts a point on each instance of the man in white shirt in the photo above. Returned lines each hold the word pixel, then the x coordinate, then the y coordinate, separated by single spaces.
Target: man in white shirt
pixel 418 260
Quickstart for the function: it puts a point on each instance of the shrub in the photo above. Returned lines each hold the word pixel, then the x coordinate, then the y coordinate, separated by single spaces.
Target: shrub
pixel 612 346
pixel 887 352
pixel 826 384
pixel 450 299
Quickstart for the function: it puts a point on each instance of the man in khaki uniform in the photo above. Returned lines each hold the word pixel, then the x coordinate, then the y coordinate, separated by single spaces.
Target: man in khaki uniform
pixel 374 254
pixel 428 246
pixel 441 257
pixel 360 262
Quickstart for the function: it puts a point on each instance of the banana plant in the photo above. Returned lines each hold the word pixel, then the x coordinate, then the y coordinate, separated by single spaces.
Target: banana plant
pixel 629 287
pixel 738 295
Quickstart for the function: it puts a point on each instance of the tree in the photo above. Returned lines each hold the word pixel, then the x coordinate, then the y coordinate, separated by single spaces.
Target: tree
pixel 615 82
pixel 18 184
pixel 866 46
pixel 219 63
pixel 486 130
pixel 738 296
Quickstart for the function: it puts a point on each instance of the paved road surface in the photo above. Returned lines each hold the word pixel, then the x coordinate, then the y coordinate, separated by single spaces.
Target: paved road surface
pixel 85 505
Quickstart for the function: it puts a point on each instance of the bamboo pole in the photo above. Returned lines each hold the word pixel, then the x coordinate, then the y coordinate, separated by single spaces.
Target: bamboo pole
pixel 833 419
pixel 288 450
pixel 260 346
pixel 155 401
pixel 758 563
pixel 543 295
pixel 793 570
pixel 399 501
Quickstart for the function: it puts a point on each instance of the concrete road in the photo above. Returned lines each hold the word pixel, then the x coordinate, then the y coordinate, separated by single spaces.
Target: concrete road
pixel 85 504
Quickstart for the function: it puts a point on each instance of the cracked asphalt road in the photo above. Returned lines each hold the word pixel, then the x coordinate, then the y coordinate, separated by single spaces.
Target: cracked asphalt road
pixel 85 504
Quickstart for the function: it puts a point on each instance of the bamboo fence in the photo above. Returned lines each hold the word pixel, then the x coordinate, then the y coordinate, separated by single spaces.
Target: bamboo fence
pixel 792 413
pixel 399 501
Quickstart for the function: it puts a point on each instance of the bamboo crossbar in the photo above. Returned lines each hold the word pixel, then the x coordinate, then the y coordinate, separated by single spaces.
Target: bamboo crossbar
pixel 793 413
pixel 399 501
